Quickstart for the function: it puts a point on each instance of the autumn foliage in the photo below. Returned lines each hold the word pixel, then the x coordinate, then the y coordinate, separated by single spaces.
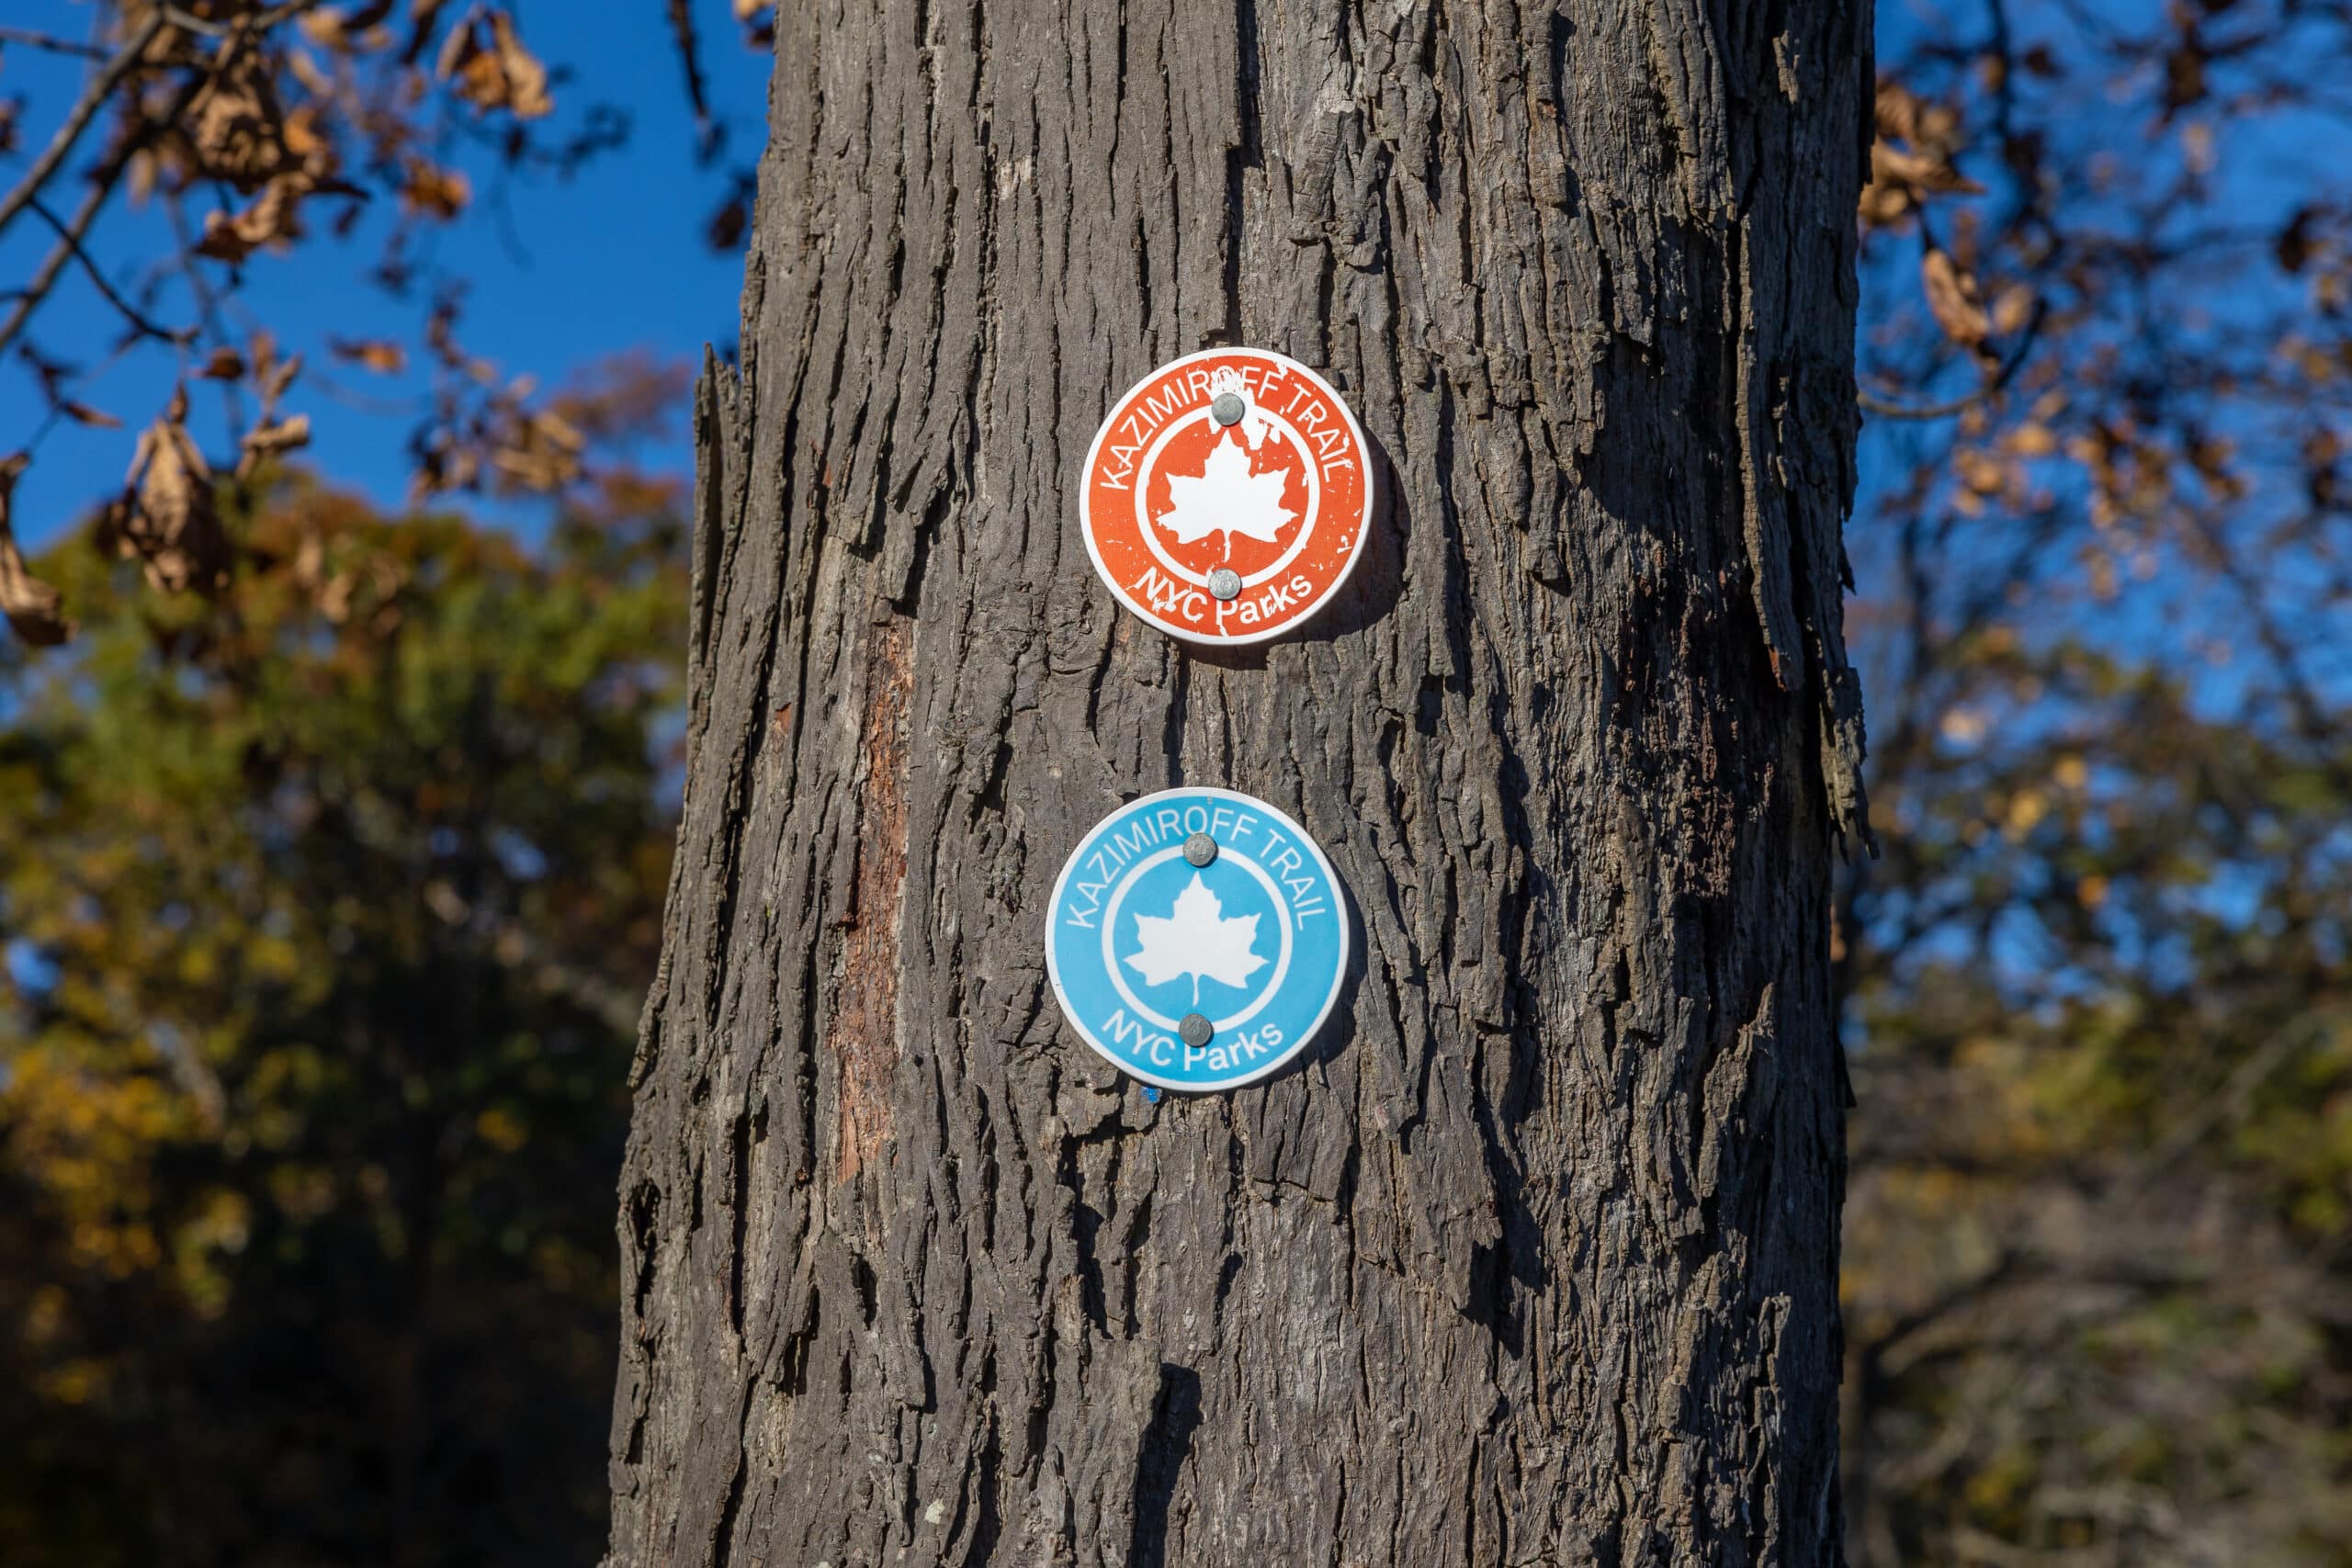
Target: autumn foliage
pixel 2100 1213
pixel 328 914
pixel 244 138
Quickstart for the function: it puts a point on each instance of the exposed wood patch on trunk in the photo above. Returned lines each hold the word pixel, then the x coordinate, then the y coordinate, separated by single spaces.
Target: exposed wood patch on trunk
pixel 865 1035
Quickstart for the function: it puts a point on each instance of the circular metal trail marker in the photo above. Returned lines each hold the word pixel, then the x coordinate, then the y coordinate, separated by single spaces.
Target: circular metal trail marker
pixel 1189 974
pixel 1226 496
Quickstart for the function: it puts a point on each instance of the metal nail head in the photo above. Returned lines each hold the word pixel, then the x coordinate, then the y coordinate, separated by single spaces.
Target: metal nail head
pixel 1228 407
pixel 1195 1030
pixel 1200 849
pixel 1225 583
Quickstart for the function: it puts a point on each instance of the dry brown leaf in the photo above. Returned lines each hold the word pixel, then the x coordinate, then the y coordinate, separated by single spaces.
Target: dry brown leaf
pixel 1883 201
pixel 166 517
pixel 1901 177
pixel 526 79
pixel 272 437
pixel 380 355
pixel 310 73
pixel 225 363
pixel 1920 171
pixel 1953 298
pixel 1932 127
pixel 307 141
pixel 442 468
pixel 1898 109
pixel 326 28
pixel 272 376
pixel 2012 309
pixel 140 176
pixel 330 27
pixel 33 607
pixel 434 191
pixel 2032 439
pixel 494 72
pixel 272 382
pixel 235 127
pixel 271 219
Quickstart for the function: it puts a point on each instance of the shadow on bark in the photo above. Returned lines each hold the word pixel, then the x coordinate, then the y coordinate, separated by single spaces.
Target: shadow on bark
pixel 1167 1443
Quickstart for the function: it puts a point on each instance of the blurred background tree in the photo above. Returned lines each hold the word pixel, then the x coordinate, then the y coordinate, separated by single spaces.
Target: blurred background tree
pixel 2098 1255
pixel 329 916
pixel 2099 1303
pixel 328 882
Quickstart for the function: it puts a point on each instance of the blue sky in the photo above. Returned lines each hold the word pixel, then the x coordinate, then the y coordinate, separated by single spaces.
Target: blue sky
pixel 613 259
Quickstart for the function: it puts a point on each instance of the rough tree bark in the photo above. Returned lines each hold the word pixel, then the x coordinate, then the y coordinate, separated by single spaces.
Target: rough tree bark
pixel 1534 1261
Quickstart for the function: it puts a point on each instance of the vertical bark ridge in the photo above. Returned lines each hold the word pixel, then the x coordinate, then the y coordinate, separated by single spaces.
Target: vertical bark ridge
pixel 1534 1259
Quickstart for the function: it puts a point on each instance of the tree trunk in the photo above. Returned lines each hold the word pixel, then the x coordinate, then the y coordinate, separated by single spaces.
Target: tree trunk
pixel 1533 1259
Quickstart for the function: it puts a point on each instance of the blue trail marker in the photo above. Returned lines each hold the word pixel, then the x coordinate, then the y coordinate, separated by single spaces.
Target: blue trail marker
pixel 1192 975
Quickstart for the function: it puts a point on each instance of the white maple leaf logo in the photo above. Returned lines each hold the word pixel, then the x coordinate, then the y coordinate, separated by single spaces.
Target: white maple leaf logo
pixel 1196 939
pixel 1226 497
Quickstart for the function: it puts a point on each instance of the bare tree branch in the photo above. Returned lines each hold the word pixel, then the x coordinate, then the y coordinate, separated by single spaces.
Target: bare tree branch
pixel 1886 408
pixel 28 39
pixel 94 97
pixel 140 321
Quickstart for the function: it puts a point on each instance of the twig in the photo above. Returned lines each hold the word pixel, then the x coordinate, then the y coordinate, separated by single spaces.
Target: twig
pixel 101 187
pixel 249 24
pixel 123 61
pixel 56 411
pixel 207 303
pixel 51 43
pixel 28 299
pixel 137 318
pixel 1886 408
pixel 707 133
